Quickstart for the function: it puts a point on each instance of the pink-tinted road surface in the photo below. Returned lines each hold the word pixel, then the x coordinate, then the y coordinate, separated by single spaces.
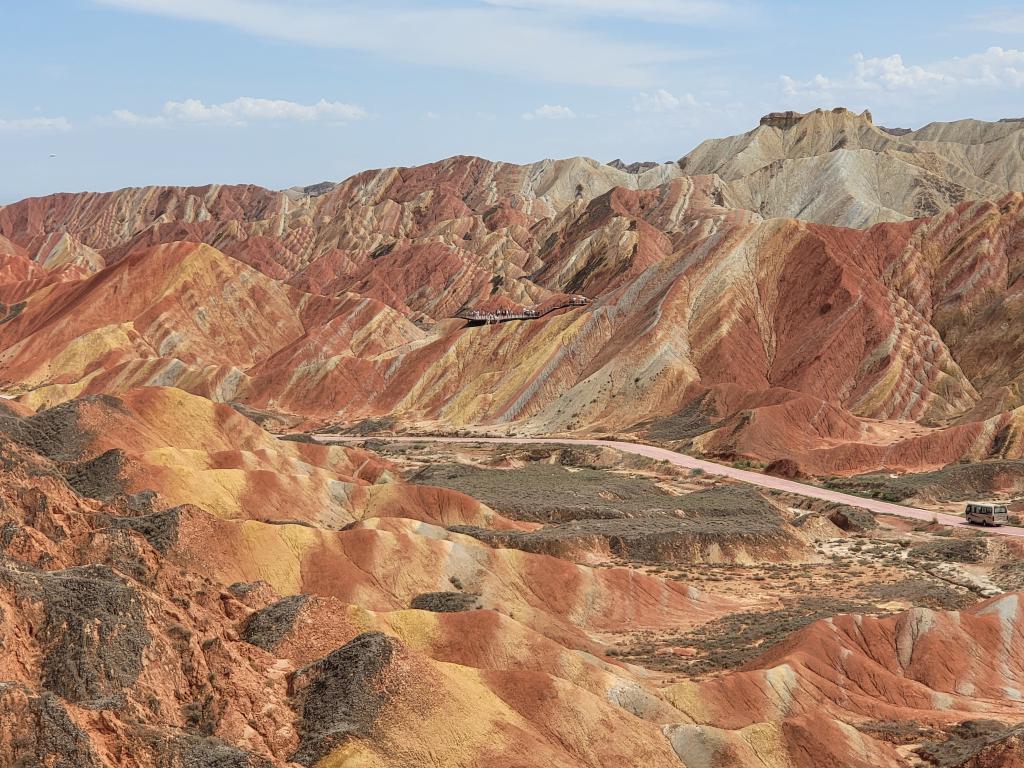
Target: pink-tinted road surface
pixel 711 468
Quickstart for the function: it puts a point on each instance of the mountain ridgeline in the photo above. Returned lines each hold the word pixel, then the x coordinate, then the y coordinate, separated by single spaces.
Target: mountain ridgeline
pixel 819 289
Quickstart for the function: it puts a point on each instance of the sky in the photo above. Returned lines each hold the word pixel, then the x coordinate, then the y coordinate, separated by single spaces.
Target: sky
pixel 103 94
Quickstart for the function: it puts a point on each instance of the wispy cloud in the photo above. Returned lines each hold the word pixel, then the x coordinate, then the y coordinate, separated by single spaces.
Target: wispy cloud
pixel 995 68
pixel 664 101
pixel 35 125
pixel 499 38
pixel 244 110
pixel 550 112
pixel 661 113
pixel 658 11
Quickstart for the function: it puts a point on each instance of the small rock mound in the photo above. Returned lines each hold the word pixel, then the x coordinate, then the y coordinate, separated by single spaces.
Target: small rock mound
pixel 56 432
pixel 851 519
pixel 267 628
pixel 341 695
pixel 159 529
pixel 93 631
pixel 446 602
pixel 170 748
pixel 953 550
pixel 37 731
pixel 99 478
pixel 818 527
pixel 784 468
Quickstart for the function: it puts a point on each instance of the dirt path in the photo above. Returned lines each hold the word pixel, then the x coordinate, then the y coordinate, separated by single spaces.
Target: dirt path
pixel 719 470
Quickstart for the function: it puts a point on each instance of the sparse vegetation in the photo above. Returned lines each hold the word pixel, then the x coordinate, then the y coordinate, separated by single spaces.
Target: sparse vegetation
pixel 972 550
pixel 734 640
pixel 551 493
pixel 956 482
pixel 963 742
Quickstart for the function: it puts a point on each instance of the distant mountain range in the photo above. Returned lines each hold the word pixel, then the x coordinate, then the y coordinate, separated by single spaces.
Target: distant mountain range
pixel 819 290
pixel 836 167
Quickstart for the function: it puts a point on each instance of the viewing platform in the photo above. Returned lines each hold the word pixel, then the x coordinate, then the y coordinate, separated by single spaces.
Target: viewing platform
pixel 504 315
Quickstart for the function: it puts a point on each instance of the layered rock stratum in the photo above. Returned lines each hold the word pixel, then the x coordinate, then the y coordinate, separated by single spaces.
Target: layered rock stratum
pixel 179 588
pixel 162 605
pixel 818 290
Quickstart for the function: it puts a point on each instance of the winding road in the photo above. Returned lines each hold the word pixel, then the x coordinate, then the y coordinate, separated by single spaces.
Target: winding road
pixel 710 467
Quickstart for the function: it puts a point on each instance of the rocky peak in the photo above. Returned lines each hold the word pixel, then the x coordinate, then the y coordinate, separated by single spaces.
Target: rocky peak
pixel 896 131
pixel 789 118
pixel 638 167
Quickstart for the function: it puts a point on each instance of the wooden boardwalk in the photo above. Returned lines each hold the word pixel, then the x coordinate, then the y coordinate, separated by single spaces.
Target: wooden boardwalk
pixel 478 317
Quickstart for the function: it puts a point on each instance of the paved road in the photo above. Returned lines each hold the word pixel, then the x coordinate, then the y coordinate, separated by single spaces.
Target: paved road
pixel 710 467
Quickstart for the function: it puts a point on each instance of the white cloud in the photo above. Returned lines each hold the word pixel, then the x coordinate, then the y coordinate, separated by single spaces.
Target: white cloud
pixel 995 68
pixel 431 116
pixel 550 112
pixel 663 101
pixel 244 110
pixel 506 40
pixel 247 108
pixel 131 118
pixel 662 11
pixel 35 125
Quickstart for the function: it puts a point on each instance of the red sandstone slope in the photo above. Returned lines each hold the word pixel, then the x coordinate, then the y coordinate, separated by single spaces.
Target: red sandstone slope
pixel 895 346
pixel 921 667
pixel 178 587
pixel 123 636
pixel 170 633
pixel 872 668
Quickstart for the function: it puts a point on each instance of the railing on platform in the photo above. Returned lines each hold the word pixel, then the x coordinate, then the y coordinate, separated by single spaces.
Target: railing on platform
pixel 504 315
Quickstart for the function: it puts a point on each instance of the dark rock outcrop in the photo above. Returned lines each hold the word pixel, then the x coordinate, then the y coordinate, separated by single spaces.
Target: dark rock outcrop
pixel 93 631
pixel 99 478
pixel 171 748
pixel 159 529
pixel 56 432
pixel 267 628
pixel 341 695
pixel 851 519
pixel 446 602
pixel 976 744
pixel 790 118
pixel 39 732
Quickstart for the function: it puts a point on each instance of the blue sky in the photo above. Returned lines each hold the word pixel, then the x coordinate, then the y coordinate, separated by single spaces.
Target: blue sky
pixel 291 92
